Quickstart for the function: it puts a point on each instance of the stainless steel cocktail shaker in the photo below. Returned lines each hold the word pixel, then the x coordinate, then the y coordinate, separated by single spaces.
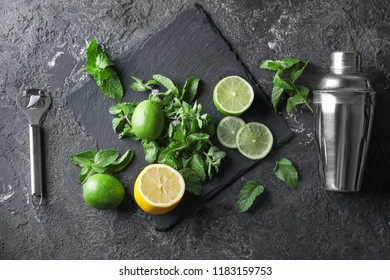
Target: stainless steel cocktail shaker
pixel 344 108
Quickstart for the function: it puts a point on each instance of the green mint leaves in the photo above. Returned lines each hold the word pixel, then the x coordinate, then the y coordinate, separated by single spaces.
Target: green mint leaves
pixel 140 86
pixel 249 192
pixel 100 67
pixel 92 162
pixel 288 70
pixel 187 94
pixel 185 142
pixel 122 123
pixel 190 89
pixel 286 172
pixel 168 84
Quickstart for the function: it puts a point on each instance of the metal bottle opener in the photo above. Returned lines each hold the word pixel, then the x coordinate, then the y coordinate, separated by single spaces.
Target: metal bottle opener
pixel 34 103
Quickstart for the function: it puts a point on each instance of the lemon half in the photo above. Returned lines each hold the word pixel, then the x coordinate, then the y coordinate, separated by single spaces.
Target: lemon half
pixel 158 189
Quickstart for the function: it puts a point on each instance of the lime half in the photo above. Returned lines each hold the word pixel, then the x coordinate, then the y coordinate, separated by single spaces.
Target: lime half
pixel 227 130
pixel 254 140
pixel 233 96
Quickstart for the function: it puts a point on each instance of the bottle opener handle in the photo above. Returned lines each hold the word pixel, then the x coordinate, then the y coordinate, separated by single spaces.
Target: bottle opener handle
pixel 36 164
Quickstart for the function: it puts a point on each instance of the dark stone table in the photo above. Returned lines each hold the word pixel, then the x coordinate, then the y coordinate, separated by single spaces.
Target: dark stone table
pixel 42 45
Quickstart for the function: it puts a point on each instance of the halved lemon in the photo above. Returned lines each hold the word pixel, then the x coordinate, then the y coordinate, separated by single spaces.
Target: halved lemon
pixel 158 189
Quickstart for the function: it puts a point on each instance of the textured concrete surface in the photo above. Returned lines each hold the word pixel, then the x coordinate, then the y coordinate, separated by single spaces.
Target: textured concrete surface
pixel 39 39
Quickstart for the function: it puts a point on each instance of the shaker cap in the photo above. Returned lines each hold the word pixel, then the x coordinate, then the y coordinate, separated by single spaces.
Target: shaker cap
pixel 344 83
pixel 345 60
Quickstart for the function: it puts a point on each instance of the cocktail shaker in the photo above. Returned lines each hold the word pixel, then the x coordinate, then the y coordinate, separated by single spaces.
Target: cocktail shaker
pixel 344 108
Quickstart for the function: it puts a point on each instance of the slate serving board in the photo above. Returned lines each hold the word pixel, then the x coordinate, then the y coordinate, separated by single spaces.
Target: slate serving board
pixel 189 45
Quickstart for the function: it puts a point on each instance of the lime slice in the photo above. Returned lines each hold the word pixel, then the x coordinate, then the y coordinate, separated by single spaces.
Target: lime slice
pixel 254 140
pixel 227 130
pixel 233 96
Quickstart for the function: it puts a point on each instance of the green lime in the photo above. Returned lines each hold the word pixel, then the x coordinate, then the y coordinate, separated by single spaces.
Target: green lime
pixel 227 131
pixel 103 191
pixel 148 120
pixel 233 96
pixel 254 140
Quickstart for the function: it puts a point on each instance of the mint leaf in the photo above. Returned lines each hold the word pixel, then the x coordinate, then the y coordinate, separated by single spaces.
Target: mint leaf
pixel 106 157
pixel 287 62
pixel 248 194
pixel 102 75
pixel 171 150
pixel 286 172
pixel 116 122
pixel 190 89
pixel 112 87
pixel 140 86
pixel 196 163
pixel 85 173
pixel 128 132
pixel 102 61
pixel 122 162
pixel 92 52
pixel 168 84
pixel 197 140
pixel 83 159
pixel 151 151
pixel 279 65
pixel 277 93
pixel 281 83
pixel 125 108
pixel 192 181
pixel 98 168
pixel 294 101
pixel 270 65
pixel 304 91
pixel 297 70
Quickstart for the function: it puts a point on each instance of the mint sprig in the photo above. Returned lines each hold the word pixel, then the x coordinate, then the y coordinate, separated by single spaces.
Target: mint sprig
pixel 99 66
pixel 288 70
pixel 92 162
pixel 247 195
pixel 122 123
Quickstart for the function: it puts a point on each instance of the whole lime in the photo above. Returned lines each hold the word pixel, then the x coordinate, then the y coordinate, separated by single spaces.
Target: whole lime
pixel 148 120
pixel 103 191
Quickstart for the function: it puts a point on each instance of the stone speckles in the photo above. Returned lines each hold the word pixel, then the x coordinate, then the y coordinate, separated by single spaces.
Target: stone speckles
pixel 306 223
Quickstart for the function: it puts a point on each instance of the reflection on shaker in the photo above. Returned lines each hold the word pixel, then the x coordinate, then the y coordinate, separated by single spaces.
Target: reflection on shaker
pixel 344 107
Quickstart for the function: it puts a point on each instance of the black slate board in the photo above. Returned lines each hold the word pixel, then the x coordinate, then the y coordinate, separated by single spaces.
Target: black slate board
pixel 190 45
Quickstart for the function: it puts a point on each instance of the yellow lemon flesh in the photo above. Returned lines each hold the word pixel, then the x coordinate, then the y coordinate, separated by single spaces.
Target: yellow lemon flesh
pixel 158 189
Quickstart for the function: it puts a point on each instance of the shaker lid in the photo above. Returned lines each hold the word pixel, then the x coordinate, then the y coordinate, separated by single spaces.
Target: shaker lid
pixel 345 60
pixel 344 75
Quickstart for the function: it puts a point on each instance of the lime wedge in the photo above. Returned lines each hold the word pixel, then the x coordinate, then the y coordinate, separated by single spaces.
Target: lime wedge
pixel 227 130
pixel 233 96
pixel 254 140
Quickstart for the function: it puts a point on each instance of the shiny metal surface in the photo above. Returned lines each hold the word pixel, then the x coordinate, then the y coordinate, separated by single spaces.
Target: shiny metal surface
pixel 344 108
pixel 34 111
